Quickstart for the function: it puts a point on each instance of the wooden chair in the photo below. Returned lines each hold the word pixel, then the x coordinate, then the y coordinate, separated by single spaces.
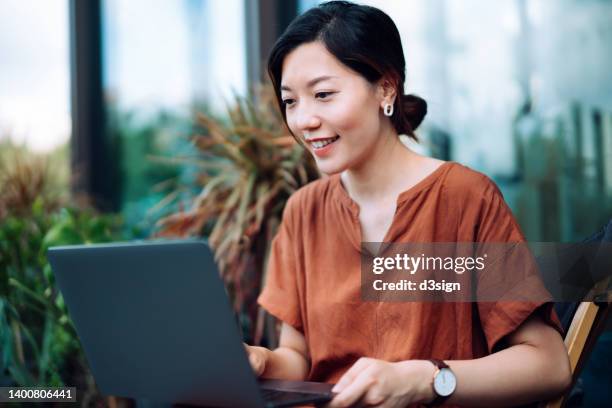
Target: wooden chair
pixel 587 324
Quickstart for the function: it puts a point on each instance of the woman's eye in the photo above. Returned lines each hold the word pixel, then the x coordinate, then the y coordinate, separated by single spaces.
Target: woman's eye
pixel 320 95
pixel 323 95
pixel 287 102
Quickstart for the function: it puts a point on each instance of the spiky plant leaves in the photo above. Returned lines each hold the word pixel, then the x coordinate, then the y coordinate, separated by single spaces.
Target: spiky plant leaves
pixel 247 167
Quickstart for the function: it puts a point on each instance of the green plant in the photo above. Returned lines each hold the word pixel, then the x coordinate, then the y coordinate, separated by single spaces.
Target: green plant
pixel 38 343
pixel 25 176
pixel 248 167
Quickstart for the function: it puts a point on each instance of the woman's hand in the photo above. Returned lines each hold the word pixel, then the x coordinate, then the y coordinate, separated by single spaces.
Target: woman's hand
pixel 258 357
pixel 371 382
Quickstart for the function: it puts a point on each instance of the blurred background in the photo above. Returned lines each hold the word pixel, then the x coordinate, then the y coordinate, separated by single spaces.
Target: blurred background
pixel 136 119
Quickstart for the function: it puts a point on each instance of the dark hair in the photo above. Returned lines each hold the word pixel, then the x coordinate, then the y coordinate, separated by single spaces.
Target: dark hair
pixel 364 39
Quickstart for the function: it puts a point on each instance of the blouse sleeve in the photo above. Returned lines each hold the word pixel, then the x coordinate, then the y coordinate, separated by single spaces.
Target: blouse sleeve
pixel 280 296
pixel 504 315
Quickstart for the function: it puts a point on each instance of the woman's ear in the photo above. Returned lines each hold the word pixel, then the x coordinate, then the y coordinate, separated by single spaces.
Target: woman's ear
pixel 386 92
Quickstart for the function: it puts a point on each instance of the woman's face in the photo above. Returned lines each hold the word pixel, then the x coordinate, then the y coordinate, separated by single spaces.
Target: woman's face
pixel 333 109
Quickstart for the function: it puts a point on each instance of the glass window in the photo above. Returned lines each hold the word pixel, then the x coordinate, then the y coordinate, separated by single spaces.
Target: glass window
pixel 34 73
pixel 162 60
pixel 163 54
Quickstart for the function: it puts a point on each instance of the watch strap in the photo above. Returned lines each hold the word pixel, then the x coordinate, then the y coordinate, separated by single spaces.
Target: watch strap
pixel 439 363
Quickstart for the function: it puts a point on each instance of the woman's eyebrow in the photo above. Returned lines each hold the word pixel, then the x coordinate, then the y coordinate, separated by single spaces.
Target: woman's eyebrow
pixel 311 83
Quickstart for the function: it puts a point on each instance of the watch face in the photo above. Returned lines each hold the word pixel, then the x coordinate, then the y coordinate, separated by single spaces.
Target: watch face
pixel 445 382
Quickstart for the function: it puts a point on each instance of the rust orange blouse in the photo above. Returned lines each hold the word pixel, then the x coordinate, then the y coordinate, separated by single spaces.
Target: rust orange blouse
pixel 313 274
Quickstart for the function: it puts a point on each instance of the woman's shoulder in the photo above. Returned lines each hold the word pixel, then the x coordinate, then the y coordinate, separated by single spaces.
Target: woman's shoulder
pixel 463 182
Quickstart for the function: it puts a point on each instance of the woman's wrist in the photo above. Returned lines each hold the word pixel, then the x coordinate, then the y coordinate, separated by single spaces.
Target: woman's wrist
pixel 421 373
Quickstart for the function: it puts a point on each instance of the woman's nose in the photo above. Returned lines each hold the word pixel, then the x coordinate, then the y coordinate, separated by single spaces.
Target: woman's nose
pixel 306 118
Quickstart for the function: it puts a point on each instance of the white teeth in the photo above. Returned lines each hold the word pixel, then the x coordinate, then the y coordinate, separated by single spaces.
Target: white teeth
pixel 321 143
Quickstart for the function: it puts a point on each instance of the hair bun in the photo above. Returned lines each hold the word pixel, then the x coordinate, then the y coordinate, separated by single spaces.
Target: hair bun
pixel 414 109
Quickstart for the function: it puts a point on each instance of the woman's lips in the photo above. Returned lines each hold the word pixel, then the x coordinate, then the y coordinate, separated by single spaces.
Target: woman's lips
pixel 322 147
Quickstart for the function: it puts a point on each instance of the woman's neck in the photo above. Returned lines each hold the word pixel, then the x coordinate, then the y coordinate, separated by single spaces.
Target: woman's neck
pixel 384 173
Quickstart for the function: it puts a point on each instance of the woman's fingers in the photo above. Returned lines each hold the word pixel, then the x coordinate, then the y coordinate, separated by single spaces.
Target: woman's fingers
pixel 374 397
pixel 352 373
pixel 355 390
pixel 257 358
pixel 256 363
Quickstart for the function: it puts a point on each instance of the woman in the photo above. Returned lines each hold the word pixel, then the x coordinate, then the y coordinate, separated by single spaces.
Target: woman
pixel 339 73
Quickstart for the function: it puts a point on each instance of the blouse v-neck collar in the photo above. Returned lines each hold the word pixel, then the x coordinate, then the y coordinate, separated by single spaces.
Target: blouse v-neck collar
pixel 346 200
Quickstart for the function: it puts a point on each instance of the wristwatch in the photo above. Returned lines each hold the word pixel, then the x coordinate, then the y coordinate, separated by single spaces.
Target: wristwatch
pixel 444 382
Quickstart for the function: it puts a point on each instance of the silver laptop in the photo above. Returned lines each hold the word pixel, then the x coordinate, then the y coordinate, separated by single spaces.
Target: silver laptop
pixel 155 323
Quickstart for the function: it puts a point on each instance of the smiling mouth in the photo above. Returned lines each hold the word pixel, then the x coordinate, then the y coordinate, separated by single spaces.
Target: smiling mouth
pixel 319 144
